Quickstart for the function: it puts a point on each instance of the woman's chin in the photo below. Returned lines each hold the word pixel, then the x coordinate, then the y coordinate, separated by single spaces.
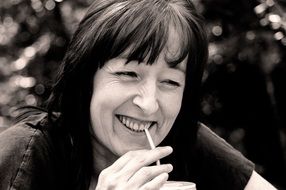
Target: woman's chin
pixel 121 150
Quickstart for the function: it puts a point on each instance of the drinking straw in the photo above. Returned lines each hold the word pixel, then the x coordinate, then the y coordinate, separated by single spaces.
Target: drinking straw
pixel 151 143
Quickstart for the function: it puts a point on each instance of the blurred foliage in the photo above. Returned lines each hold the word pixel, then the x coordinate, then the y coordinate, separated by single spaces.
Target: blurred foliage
pixel 33 38
pixel 244 82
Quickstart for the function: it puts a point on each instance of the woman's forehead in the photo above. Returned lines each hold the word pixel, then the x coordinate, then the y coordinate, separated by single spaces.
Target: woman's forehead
pixel 171 51
pixel 174 44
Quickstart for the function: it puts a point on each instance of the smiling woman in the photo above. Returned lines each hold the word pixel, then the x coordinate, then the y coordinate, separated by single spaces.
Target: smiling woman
pixel 131 65
pixel 142 101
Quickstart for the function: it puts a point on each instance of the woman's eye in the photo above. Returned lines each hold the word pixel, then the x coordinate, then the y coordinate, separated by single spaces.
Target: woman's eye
pixel 172 83
pixel 126 74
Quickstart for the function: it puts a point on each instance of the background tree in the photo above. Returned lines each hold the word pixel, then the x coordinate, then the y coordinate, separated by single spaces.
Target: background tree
pixel 243 86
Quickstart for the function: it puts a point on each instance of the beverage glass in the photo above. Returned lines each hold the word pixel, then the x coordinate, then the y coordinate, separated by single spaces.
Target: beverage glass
pixel 178 185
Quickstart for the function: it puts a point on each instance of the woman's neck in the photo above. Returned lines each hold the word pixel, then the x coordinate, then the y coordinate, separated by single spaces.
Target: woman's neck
pixel 102 157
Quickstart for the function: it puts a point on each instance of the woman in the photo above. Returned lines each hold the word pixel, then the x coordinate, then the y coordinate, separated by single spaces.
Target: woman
pixel 131 64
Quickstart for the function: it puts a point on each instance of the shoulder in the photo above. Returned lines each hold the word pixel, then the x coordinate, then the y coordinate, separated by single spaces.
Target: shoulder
pixel 220 162
pixel 22 135
pixel 21 146
pixel 257 182
pixel 210 143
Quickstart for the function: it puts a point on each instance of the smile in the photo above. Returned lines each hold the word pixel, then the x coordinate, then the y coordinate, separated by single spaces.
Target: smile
pixel 135 124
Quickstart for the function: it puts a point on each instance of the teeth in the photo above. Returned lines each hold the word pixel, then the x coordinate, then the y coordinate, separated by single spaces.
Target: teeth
pixel 131 125
pixel 135 125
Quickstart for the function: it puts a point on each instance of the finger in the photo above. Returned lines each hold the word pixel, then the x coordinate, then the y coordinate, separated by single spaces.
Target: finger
pixel 146 158
pixel 120 163
pixel 145 174
pixel 123 160
pixel 117 166
pixel 156 183
pixel 132 161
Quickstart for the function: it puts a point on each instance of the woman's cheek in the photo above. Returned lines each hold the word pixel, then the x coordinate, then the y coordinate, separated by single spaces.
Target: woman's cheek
pixel 172 101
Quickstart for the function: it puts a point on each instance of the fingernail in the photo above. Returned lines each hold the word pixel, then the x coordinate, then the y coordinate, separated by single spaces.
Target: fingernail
pixel 166 176
pixel 166 148
pixel 170 149
pixel 169 167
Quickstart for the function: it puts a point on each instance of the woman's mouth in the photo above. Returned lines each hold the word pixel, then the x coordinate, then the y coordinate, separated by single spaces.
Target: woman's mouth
pixel 135 124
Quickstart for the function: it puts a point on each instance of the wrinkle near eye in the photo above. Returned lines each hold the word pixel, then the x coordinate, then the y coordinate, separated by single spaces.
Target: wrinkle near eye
pixel 108 68
pixel 112 83
pixel 114 64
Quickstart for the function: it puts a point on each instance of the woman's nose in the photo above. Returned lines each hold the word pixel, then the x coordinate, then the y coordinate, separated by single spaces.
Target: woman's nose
pixel 146 99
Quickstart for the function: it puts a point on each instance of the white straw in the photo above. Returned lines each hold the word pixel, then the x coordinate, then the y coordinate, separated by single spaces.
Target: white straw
pixel 151 143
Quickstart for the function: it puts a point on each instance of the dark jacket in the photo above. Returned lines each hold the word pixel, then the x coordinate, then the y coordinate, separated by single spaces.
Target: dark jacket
pixel 34 156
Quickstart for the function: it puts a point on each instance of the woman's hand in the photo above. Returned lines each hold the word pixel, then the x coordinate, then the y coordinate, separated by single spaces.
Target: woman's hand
pixel 132 171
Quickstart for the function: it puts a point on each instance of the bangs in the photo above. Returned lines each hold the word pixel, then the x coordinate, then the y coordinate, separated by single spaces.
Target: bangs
pixel 141 30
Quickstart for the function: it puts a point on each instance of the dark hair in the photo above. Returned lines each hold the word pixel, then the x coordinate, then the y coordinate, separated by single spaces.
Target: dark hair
pixel 108 29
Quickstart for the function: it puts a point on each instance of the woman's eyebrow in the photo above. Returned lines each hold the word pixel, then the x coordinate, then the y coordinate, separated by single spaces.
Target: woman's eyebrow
pixel 177 67
pixel 176 64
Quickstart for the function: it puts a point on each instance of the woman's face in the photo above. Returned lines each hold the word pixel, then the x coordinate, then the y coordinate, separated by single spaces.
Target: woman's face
pixel 130 97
